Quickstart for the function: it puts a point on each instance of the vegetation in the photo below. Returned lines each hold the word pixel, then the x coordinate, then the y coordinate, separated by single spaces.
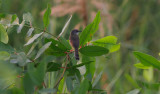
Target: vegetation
pixel 36 57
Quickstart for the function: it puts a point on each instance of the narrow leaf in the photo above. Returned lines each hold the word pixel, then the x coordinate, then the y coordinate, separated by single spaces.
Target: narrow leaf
pixel 135 91
pixel 6 47
pixel 84 86
pixel 93 50
pixel 30 32
pixel 47 90
pixel 43 49
pixel 97 79
pixel 90 29
pixel 147 60
pixel 141 66
pixel 33 38
pixel 13 18
pixel 3 35
pixel 65 26
pixel 19 29
pixel 46 16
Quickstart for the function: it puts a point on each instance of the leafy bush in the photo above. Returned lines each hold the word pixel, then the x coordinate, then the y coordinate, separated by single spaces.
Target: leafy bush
pixel 27 72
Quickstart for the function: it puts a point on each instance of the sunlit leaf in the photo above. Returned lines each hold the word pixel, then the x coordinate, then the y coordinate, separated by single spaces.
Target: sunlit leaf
pixel 135 91
pixel 13 18
pixel 19 29
pixel 148 74
pixel 65 26
pixel 27 17
pixel 3 35
pixel 90 29
pixel 147 60
pixel 33 38
pixel 93 50
pixel 141 66
pixel 97 79
pixel 109 42
pixel 4 55
pixel 42 49
pixel 30 32
pixel 46 16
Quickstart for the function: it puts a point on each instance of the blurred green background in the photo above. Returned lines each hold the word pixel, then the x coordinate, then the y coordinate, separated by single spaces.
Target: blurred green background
pixel 136 23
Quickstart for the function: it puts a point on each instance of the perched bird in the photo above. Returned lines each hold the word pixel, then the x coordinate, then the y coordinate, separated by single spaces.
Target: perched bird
pixel 74 41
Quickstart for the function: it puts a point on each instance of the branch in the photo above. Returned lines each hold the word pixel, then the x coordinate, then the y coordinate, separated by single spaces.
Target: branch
pixel 63 72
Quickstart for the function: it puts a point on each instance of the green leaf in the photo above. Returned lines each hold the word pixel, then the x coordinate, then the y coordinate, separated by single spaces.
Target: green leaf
pixel 148 74
pixel 22 59
pixel 42 49
pixel 57 48
pixel 135 91
pixel 27 17
pixel 6 47
pixel 65 43
pixel 93 50
pixel 33 38
pixel 13 18
pixel 82 64
pixel 28 84
pixel 108 42
pixel 69 83
pixel 3 35
pixel 47 91
pixel 15 90
pixel 46 16
pixel 141 66
pixel 97 79
pixel 90 29
pixel 84 86
pixel 147 60
pixel 51 66
pixel 4 55
pixel 37 74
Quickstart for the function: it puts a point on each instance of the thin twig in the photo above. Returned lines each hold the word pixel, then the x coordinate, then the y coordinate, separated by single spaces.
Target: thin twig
pixel 63 72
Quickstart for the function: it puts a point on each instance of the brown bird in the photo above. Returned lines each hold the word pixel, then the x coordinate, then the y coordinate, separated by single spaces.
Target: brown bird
pixel 74 41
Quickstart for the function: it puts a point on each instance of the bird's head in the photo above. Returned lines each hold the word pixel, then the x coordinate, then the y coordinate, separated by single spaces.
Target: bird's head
pixel 75 32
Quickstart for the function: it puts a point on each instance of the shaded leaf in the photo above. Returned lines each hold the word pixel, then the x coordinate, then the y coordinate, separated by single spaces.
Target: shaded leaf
pixel 84 86
pixel 3 35
pixel 147 60
pixel 6 47
pixel 93 50
pixel 37 74
pixel 42 49
pixel 28 84
pixel 46 16
pixel 51 66
pixel 4 55
pixel 69 83
pixel 47 90
pixel 33 38
pixel 90 29
pixel 21 59
pixel 108 42
pixel 65 43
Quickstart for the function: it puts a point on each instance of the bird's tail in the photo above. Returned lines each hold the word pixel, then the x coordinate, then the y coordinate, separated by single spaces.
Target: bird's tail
pixel 76 54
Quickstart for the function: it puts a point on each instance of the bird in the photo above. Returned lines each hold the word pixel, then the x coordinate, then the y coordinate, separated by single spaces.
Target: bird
pixel 74 42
